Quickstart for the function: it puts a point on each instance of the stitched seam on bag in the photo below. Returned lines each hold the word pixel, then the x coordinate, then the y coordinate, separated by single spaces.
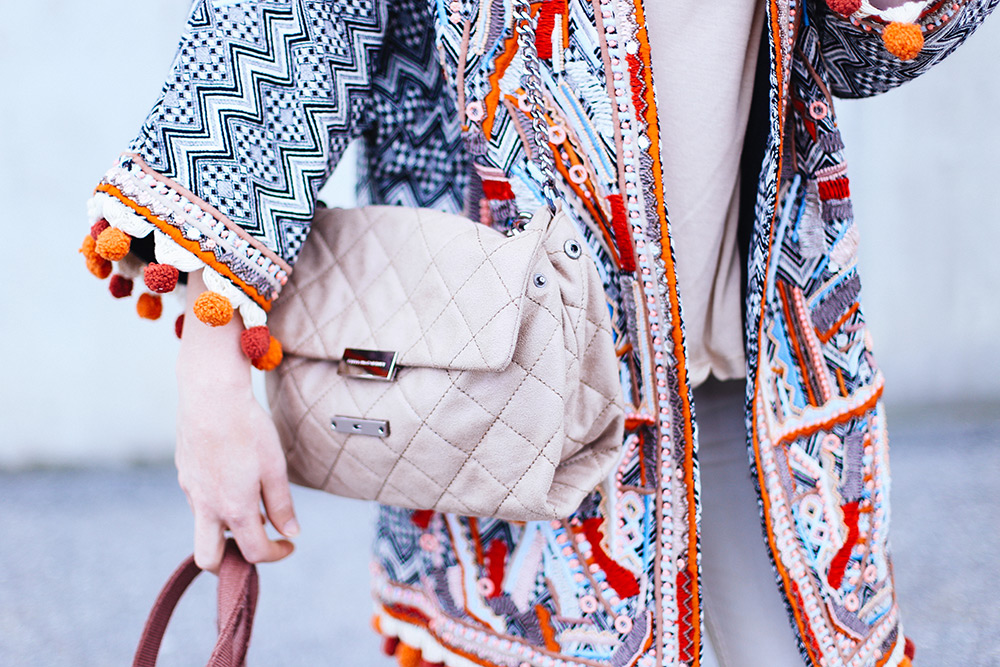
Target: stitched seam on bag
pixel 337 262
pixel 433 264
pixel 453 377
pixel 539 452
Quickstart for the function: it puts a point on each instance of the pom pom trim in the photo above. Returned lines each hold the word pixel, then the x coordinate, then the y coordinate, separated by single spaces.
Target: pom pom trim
pixel 189 234
pixel 160 278
pixel 124 214
pixel 271 359
pixel 113 244
pixel 149 306
pixel 255 342
pixel 213 309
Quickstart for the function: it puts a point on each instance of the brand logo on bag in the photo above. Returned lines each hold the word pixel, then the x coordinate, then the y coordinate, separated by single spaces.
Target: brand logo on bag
pixel 368 364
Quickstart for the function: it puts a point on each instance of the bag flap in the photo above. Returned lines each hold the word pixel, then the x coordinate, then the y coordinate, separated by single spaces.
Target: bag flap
pixel 438 289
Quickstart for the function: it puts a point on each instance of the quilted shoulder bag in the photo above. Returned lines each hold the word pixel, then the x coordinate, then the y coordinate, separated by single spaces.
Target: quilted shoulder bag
pixel 432 362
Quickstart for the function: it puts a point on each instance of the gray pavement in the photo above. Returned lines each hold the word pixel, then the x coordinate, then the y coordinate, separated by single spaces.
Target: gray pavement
pixel 84 552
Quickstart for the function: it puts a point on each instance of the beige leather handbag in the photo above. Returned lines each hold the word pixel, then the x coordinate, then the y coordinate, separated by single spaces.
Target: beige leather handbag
pixel 432 362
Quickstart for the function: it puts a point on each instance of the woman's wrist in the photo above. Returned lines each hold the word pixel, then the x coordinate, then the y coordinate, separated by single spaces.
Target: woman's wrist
pixel 211 355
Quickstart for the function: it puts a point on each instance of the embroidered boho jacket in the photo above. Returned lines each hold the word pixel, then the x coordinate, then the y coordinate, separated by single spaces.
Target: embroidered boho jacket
pixel 261 102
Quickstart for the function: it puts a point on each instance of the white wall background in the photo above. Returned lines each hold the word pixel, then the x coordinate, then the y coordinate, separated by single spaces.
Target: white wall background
pixel 82 379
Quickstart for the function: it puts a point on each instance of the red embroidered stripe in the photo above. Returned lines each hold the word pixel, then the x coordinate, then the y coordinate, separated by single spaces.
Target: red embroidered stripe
pixel 838 188
pixel 686 649
pixel 546 24
pixel 497 190
pixel 839 563
pixel 620 579
pixel 495 557
pixel 623 237
pixel 421 518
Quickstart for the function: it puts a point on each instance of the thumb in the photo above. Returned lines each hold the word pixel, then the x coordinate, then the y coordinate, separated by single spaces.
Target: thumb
pixel 277 497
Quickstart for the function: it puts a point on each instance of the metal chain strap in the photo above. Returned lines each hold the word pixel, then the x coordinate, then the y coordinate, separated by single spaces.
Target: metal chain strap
pixel 531 81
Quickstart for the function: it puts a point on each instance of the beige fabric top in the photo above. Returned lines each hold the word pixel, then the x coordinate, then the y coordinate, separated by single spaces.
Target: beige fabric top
pixel 704 56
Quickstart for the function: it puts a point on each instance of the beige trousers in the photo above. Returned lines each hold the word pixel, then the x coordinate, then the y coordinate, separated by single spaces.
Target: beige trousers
pixel 745 615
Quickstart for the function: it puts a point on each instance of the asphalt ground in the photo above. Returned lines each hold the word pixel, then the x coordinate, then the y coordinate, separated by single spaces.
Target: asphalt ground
pixel 83 553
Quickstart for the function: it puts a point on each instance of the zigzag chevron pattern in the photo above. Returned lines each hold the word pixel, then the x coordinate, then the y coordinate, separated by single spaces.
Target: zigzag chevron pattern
pixel 413 150
pixel 859 65
pixel 262 100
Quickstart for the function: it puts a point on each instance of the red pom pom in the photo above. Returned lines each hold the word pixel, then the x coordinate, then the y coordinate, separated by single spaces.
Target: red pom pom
pixel 389 645
pixel 160 278
pixel 98 227
pixel 149 306
pixel 120 286
pixel 909 649
pixel 255 342
pixel 179 325
pixel 844 7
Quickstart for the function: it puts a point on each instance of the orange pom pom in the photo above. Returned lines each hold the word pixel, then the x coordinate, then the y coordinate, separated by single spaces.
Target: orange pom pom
pixel 160 278
pixel 377 623
pixel 149 306
pixel 271 358
pixel 905 662
pixel 113 244
pixel 213 309
pixel 96 264
pixel 903 40
pixel 99 267
pixel 407 656
pixel 89 247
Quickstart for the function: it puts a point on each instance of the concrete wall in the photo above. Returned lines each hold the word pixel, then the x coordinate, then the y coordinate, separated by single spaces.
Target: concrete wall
pixel 85 380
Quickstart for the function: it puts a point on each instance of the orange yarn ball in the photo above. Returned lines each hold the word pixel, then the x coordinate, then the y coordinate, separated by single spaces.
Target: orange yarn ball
pixel 377 624
pixel 905 662
pixel 213 309
pixel 271 358
pixel 96 264
pixel 903 40
pixel 113 244
pixel 99 267
pixel 407 656
pixel 89 247
pixel 149 306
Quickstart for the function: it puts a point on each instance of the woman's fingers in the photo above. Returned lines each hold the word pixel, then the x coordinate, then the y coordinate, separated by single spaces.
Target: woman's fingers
pixel 209 542
pixel 277 497
pixel 254 543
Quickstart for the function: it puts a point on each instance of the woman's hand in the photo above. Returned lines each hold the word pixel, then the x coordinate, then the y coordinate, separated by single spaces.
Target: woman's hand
pixel 228 455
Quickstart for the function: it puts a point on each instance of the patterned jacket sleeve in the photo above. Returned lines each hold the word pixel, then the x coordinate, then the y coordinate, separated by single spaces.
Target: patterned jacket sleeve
pixel 869 51
pixel 260 103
